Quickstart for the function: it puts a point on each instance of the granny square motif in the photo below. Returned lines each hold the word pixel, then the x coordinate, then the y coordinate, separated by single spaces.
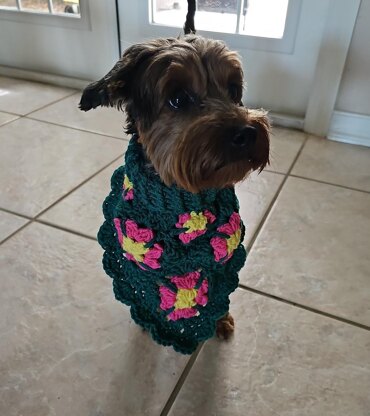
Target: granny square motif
pixel 174 256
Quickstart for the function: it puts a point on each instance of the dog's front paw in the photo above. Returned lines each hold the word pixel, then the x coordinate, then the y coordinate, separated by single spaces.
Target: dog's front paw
pixel 225 327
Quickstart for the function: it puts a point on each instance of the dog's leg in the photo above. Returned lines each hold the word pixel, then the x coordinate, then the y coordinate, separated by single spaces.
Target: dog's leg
pixel 225 327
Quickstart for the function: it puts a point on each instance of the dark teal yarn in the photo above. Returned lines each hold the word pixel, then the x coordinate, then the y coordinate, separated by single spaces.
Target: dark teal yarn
pixel 149 291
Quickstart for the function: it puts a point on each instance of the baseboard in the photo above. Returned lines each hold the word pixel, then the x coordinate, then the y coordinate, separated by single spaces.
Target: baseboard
pixel 45 78
pixel 350 128
pixel 345 127
pixel 285 120
pixel 282 120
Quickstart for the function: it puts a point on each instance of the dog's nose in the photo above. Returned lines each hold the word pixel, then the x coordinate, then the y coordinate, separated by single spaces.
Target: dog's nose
pixel 245 136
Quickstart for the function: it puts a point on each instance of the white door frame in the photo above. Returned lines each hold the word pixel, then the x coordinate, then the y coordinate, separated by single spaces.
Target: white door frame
pixel 336 38
pixel 332 57
pixel 66 46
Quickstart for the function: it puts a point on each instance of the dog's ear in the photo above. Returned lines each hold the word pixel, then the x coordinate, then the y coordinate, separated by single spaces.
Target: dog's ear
pixel 116 88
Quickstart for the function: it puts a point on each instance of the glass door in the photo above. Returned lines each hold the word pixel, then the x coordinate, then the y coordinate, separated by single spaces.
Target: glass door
pixel 291 58
pixel 53 7
pixel 245 17
pixel 274 38
pixel 71 38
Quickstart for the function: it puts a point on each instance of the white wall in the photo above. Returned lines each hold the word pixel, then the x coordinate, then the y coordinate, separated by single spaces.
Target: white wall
pixel 354 91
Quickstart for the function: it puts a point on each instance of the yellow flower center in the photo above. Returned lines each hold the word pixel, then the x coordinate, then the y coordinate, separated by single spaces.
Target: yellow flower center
pixel 137 250
pixel 233 241
pixel 196 222
pixel 127 183
pixel 185 298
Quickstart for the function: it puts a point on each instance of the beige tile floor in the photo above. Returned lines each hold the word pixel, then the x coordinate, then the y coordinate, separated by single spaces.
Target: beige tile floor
pixel 302 341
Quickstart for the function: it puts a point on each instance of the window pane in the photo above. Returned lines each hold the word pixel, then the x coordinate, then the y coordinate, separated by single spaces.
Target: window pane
pixel 264 18
pixel 8 3
pixel 35 5
pixel 71 7
pixel 213 15
pixel 65 7
pixel 218 6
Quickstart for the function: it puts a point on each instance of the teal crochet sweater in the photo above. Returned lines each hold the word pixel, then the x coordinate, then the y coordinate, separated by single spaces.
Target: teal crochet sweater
pixel 174 256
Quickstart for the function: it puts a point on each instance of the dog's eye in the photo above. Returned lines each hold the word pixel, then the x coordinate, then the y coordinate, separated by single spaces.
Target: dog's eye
pixel 180 99
pixel 234 92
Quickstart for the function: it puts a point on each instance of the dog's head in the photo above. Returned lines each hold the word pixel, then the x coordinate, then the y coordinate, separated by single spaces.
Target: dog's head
pixel 183 98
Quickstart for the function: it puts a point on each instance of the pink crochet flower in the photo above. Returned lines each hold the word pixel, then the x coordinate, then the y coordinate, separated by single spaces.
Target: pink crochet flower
pixel 195 224
pixel 223 248
pixel 186 298
pixel 128 189
pixel 134 244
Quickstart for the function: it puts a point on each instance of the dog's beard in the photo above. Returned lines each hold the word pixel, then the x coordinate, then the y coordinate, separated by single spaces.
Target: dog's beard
pixel 196 154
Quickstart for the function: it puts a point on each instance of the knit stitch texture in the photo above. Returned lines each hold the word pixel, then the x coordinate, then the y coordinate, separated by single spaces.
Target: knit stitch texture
pixel 174 256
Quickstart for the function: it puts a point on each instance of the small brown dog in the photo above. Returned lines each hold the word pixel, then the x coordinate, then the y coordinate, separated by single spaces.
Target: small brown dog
pixel 183 101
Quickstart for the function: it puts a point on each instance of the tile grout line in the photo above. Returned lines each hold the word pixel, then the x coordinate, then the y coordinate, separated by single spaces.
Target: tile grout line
pixel 10 113
pixel 180 382
pixel 304 307
pixel 36 218
pixel 329 183
pixel 274 171
pixel 49 224
pixel 51 103
pixel 29 116
pixel 15 213
pixel 68 230
pixel 261 224
pixel 78 129
pixel 37 109
pixel 10 121
pixel 307 178
pixel 277 193
pixel 29 221
pixel 76 187
pixel 16 232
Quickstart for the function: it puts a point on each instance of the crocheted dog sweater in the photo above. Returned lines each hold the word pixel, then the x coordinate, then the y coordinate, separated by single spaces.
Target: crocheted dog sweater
pixel 174 256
